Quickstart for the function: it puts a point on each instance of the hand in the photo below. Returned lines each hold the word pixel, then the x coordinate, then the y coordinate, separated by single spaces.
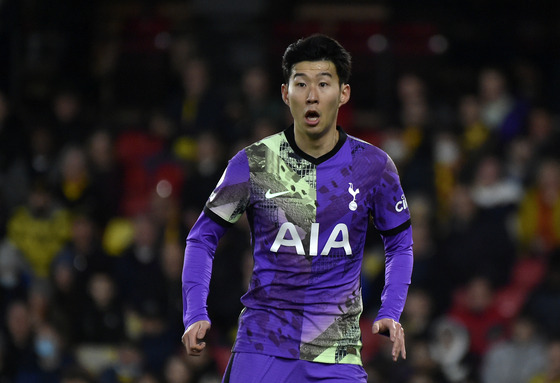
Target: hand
pixel 396 334
pixel 193 337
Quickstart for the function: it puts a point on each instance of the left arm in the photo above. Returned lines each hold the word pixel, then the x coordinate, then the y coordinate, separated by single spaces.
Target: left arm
pixel 398 272
pixel 392 220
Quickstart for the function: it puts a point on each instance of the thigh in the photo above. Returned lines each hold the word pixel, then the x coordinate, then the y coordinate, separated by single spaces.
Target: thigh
pixel 333 373
pixel 249 368
pixel 258 368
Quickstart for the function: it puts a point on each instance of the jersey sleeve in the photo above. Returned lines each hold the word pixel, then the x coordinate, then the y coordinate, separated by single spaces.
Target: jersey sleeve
pixel 391 218
pixel 390 209
pixel 398 273
pixel 224 207
pixel 230 197
pixel 202 242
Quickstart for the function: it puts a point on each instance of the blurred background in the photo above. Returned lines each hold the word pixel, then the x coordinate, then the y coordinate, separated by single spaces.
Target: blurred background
pixel 117 119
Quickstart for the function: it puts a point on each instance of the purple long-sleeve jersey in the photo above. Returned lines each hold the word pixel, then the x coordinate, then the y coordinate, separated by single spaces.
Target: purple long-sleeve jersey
pixel 309 218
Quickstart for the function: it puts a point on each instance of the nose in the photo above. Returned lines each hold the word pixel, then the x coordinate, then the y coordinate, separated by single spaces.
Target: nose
pixel 312 96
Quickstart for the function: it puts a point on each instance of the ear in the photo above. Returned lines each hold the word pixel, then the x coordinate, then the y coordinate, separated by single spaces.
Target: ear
pixel 344 94
pixel 285 94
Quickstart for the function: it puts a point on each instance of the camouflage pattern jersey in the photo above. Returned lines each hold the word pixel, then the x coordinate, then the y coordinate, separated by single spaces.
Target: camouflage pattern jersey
pixel 309 219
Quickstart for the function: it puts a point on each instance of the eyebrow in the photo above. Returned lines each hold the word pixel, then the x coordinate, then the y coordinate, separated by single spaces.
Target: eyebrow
pixel 321 74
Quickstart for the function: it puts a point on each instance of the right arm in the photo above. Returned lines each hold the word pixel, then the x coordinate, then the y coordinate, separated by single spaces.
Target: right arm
pixel 197 270
pixel 224 207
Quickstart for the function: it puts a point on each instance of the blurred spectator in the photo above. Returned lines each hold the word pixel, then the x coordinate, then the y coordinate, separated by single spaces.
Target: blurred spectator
pixel 255 102
pixel 106 176
pixel 41 161
pixel 40 301
pixel 14 276
pixel 425 249
pixel 495 99
pixel 543 301
pixel 524 153
pixel 165 212
pixel 146 158
pixel 491 189
pixel 39 229
pixel 178 371
pixel 519 161
pixel 49 359
pixel 72 181
pixel 420 366
pixel 543 132
pixel 127 368
pixel 423 368
pixel 207 169
pixel 197 106
pixel 516 359
pixel 69 117
pixel 155 339
pixel 500 110
pixel 102 318
pixel 447 160
pixel 476 136
pixel 449 348
pixel 418 314
pixel 476 310
pixel 416 127
pixel 538 220
pixel 138 270
pixel 67 299
pixel 551 373
pixel 182 48
pixel 80 259
pixel 18 351
pixel 474 242
pixel 84 253
pixel 134 148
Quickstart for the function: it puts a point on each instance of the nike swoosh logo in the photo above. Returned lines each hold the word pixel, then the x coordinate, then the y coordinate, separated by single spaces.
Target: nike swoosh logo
pixel 272 195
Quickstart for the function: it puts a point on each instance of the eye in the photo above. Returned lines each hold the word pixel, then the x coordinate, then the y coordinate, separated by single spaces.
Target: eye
pixel 300 84
pixel 323 84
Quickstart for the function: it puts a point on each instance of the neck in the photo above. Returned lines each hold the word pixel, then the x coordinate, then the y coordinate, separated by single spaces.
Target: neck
pixel 317 146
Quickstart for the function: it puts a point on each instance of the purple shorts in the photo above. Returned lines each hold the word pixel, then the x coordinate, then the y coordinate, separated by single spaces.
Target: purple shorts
pixel 257 368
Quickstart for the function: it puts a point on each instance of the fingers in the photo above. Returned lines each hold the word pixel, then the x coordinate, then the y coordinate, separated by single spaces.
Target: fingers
pixel 382 326
pixel 195 349
pixel 399 346
pixel 193 338
pixel 395 332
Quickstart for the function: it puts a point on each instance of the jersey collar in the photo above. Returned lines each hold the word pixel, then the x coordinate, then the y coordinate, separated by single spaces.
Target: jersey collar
pixel 289 133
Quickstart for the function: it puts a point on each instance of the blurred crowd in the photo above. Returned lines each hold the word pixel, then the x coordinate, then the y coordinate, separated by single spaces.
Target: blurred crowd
pixel 111 146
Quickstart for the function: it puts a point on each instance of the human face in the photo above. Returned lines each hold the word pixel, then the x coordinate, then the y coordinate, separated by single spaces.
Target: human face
pixel 314 95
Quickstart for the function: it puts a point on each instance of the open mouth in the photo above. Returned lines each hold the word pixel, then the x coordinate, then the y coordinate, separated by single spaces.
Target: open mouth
pixel 312 117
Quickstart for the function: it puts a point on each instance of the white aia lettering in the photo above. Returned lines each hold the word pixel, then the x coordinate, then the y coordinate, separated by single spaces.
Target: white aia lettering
pixel 293 239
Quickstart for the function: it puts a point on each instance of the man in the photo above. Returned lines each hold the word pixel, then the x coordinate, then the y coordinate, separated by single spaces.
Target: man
pixel 309 193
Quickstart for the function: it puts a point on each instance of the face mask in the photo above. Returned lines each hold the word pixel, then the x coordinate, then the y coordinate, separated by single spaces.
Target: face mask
pixel 45 348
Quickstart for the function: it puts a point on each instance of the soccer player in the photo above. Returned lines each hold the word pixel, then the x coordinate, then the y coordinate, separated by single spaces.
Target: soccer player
pixel 308 193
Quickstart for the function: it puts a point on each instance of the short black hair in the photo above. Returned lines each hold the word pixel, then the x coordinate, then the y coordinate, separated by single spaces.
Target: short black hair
pixel 317 47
